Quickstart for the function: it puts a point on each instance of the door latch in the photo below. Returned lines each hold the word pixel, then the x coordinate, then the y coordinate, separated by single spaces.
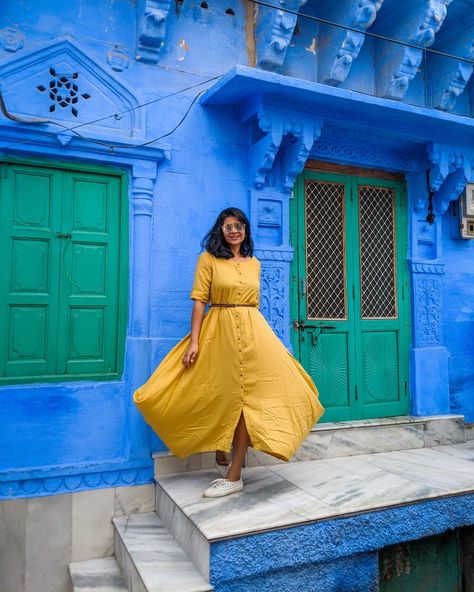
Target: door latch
pixel 62 235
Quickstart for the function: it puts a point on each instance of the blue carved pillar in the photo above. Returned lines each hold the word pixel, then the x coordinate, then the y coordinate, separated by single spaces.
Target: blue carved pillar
pixel 449 171
pixel 138 352
pixel 284 140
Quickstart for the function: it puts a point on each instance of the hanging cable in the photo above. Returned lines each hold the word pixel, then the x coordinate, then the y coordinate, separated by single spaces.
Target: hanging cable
pixel 430 218
pixel 117 115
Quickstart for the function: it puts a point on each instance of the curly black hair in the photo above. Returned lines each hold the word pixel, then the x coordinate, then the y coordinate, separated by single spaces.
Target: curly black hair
pixel 214 242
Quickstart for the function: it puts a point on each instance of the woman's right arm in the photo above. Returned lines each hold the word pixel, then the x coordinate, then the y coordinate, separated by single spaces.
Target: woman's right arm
pixel 197 316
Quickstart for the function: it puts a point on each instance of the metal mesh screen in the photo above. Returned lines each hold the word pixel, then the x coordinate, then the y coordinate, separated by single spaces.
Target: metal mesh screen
pixel 377 252
pixel 326 297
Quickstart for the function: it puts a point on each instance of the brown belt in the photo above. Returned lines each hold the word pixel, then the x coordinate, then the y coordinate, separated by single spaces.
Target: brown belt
pixel 232 305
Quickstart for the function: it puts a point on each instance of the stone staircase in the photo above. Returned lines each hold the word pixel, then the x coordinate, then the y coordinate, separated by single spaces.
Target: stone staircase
pixel 353 488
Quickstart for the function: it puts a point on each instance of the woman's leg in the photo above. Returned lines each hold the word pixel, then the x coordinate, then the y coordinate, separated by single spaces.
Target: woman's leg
pixel 240 445
pixel 221 458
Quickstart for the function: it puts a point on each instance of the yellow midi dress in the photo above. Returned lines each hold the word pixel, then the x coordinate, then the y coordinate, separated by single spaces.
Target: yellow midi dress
pixel 241 367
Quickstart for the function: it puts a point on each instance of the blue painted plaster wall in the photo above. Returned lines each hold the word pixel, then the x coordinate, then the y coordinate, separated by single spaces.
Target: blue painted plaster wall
pixel 64 427
pixel 347 544
pixel 458 326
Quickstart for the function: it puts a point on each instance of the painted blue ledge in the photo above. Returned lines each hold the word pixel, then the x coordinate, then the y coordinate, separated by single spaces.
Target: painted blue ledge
pixel 241 561
pixel 69 479
pixel 420 124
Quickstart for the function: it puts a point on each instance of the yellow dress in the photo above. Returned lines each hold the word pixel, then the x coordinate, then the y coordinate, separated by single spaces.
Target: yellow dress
pixel 241 367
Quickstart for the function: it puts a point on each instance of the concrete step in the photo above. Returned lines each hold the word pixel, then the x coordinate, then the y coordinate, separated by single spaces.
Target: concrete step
pixel 97 575
pixel 317 511
pixel 150 558
pixel 344 438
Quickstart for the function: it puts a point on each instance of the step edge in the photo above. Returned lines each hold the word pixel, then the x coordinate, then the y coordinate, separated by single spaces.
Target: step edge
pixel 110 559
pixel 116 522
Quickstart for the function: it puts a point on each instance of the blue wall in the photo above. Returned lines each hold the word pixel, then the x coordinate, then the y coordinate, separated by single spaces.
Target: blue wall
pixel 177 186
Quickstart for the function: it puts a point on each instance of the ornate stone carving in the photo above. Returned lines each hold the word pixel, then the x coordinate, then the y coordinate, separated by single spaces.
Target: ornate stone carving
pixel 288 139
pixel 151 21
pixel 37 487
pixel 275 254
pixel 273 31
pixel 428 312
pixel 118 59
pixel 334 150
pixel 425 267
pixel 85 91
pixel 339 47
pixel 272 298
pixel 11 39
pixel 455 87
pixel 451 168
pixel 416 24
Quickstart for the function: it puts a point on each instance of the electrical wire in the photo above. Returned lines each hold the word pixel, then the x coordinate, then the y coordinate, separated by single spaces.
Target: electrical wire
pixel 364 32
pixel 119 115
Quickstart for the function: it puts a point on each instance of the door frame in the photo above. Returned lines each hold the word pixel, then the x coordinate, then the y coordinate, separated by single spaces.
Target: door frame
pixel 357 176
pixel 124 280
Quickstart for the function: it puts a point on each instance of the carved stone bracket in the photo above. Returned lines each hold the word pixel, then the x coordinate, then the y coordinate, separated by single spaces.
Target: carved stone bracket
pixel 285 140
pixel 451 168
pixel 416 24
pixel 273 31
pixel 339 47
pixel 449 77
pixel 151 28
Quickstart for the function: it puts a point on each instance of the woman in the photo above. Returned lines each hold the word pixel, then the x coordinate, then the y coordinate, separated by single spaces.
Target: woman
pixel 231 382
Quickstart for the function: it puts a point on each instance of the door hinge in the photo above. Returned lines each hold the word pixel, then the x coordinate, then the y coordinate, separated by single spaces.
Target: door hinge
pixel 356 392
pixel 353 292
pixel 403 292
pixel 405 388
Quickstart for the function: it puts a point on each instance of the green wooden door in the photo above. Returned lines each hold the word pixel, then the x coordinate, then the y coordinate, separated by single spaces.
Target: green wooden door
pixel 63 307
pixel 350 293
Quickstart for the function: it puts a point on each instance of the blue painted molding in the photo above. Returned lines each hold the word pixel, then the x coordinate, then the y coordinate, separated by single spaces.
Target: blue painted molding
pixel 330 540
pixel 273 31
pixel 53 481
pixel 24 77
pixel 151 28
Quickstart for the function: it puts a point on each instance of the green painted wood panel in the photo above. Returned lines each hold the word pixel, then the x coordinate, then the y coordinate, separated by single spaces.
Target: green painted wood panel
pixel 63 313
pixel 349 235
pixel 431 564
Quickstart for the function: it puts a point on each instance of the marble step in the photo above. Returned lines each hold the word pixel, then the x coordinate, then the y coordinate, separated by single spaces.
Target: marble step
pixel 97 575
pixel 344 438
pixel 301 508
pixel 151 559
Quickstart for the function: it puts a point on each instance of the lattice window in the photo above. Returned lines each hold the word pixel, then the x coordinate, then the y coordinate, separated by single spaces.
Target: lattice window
pixel 325 252
pixel 377 252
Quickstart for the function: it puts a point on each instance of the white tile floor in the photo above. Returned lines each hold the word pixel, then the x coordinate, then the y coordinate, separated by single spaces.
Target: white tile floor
pixel 294 493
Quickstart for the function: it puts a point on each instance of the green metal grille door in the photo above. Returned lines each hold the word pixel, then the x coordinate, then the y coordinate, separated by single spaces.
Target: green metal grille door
pixel 349 280
pixel 61 238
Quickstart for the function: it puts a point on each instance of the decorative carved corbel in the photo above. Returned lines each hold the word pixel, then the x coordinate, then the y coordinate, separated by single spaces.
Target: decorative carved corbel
pixel 450 171
pixel 151 21
pixel 296 153
pixel 339 47
pixel 273 31
pixel 416 24
pixel 449 77
pixel 284 137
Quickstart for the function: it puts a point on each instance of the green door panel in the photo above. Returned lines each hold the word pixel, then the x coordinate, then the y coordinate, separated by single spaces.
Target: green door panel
pixel 348 282
pixel 328 360
pixel 431 564
pixel 30 284
pixel 63 300
pixel 90 275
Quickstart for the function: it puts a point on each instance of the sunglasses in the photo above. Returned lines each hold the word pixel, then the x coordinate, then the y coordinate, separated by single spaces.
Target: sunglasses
pixel 238 226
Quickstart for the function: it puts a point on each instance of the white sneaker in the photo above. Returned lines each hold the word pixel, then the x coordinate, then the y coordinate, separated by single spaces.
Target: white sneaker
pixel 222 487
pixel 223 470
